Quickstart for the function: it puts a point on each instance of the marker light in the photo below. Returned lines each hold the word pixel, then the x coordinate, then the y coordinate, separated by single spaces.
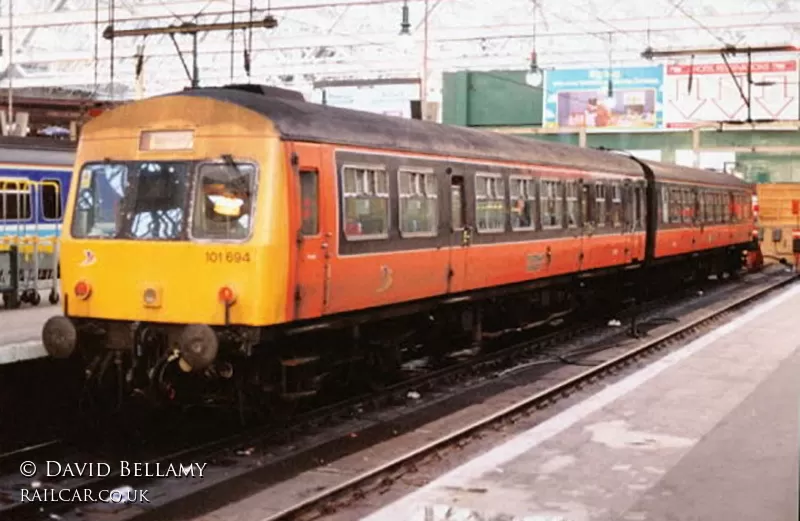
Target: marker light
pixel 227 295
pixel 83 289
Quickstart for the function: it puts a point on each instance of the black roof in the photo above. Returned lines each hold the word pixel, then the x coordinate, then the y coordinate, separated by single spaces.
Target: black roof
pixel 299 120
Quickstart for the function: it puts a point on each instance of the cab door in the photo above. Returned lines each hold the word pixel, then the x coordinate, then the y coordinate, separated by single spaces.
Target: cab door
pixel 311 234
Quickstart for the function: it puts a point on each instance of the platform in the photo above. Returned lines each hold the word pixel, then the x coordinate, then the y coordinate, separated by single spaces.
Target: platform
pixel 21 331
pixel 709 432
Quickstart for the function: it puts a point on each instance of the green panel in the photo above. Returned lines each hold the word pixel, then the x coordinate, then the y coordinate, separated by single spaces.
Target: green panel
pixel 455 96
pixel 496 98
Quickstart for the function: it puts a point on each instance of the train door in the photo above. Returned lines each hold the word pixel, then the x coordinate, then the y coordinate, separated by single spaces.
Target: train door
pixel 586 222
pixel 461 229
pixel 638 222
pixel 312 234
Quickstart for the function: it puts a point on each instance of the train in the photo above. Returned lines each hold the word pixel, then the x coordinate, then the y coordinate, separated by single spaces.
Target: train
pixel 239 240
pixel 35 175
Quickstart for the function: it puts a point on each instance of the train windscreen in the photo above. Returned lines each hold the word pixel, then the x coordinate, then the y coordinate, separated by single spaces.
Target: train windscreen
pixel 150 200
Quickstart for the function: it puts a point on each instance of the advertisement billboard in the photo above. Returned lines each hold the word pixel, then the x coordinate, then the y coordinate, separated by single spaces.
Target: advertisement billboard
pixel 580 97
pixel 715 96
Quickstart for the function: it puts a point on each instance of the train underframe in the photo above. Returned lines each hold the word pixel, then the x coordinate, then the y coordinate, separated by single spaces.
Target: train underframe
pixel 261 370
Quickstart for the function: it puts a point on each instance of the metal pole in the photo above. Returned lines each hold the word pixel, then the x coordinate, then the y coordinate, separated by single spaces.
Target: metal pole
pixel 195 73
pixel 10 64
pixel 424 96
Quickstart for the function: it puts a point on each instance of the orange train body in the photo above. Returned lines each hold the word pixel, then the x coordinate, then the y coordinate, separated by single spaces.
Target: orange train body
pixel 334 218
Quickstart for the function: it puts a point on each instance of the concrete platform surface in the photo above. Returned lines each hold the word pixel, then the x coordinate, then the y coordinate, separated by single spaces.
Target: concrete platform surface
pixel 708 432
pixel 21 330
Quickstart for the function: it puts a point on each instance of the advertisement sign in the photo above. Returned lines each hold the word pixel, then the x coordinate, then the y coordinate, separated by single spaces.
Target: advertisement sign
pixel 389 100
pixel 580 97
pixel 715 96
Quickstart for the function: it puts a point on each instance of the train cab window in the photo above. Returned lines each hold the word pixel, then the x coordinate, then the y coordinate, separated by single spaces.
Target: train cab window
pixel 309 202
pixel 600 205
pixel 617 216
pixel 523 203
pixel 458 205
pixel 223 201
pixel 15 201
pixel 419 197
pixel 572 202
pixel 552 197
pixel 490 204
pixel 366 202
pixel 51 199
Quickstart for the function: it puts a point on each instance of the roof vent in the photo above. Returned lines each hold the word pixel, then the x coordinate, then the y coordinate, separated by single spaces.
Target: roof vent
pixel 266 90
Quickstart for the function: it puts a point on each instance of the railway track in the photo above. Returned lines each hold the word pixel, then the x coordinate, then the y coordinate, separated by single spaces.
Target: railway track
pixel 353 490
pixel 284 453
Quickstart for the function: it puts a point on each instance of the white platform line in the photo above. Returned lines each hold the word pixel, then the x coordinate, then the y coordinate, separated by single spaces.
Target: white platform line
pixel 29 350
pixel 411 504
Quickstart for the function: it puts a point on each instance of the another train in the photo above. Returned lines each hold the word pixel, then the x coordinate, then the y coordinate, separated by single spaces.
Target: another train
pixel 35 178
pixel 240 238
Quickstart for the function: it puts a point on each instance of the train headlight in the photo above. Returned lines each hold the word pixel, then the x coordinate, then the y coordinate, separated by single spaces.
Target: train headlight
pixel 83 290
pixel 151 297
pixel 226 295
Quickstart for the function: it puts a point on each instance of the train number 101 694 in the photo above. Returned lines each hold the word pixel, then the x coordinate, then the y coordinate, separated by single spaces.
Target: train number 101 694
pixel 228 257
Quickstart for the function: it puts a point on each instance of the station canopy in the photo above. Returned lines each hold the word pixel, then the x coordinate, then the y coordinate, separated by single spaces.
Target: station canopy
pixel 297 43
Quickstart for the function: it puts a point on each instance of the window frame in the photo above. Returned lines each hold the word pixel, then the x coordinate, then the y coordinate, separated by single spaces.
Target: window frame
pixel 387 195
pixel 560 198
pixel 317 220
pixel 503 198
pixel 194 176
pixel 598 199
pixel 22 185
pixel 530 198
pixel 425 172
pixel 617 187
pixel 42 184
pixel 577 198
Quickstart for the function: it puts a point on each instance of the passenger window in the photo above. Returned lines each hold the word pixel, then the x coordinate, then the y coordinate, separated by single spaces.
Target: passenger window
pixel 641 208
pixel 309 202
pixel 616 205
pixel 419 202
pixel 490 204
pixel 523 203
pixel 552 204
pixel 457 206
pixel 600 205
pixel 51 199
pixel 688 205
pixel 366 202
pixel 665 207
pixel 572 201
pixel 15 201
pixel 675 205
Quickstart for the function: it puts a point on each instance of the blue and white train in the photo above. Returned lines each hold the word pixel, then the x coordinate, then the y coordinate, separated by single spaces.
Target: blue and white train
pixel 35 176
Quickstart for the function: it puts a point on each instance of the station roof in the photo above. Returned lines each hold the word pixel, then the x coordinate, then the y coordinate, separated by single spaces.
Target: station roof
pixel 59 43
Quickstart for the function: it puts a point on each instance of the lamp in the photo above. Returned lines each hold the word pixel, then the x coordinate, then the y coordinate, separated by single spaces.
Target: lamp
pixel 405 26
pixel 534 77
